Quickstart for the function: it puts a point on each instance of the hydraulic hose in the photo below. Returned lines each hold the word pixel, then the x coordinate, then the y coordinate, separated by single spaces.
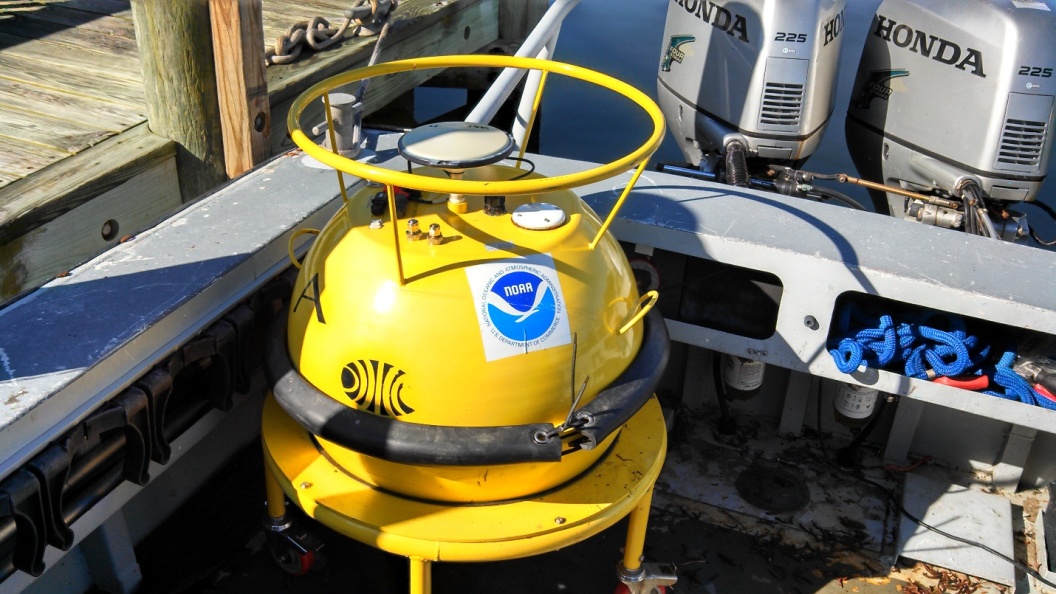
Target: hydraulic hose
pixel 710 176
pixel 975 211
pixel 736 164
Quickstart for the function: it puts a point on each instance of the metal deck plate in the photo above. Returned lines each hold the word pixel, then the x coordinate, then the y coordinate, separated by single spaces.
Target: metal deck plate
pixel 981 517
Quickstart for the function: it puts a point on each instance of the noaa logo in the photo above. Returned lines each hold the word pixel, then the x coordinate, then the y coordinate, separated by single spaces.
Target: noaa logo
pixel 520 306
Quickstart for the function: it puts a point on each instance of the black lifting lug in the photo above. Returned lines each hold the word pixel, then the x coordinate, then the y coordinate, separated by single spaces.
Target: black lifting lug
pixel 243 319
pixel 213 350
pixel 52 468
pixel 157 385
pixel 20 499
pixel 130 411
pixel 269 299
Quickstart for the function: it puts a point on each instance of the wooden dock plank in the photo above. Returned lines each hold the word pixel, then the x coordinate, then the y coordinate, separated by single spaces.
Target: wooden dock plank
pixel 71 239
pixel 19 159
pixel 61 15
pixel 334 12
pixel 66 135
pixel 114 117
pixel 47 194
pixel 117 8
pixel 32 29
pixel 97 85
pixel 65 56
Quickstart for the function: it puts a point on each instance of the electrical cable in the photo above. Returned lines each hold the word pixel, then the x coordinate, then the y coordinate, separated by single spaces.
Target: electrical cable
pixel 848 453
pixel 726 423
pixel 829 194
pixel 1052 214
pixel 898 505
pixel 531 167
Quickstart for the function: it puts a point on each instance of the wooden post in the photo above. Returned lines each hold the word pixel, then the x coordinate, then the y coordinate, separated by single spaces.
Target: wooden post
pixel 518 17
pixel 176 54
pixel 245 114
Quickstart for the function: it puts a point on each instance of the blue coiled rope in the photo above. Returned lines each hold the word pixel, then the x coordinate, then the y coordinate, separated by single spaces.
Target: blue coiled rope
pixel 1014 387
pixel 926 352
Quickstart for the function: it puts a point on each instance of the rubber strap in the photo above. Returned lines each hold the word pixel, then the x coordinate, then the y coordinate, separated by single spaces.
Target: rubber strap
pixel 415 443
pixel 620 400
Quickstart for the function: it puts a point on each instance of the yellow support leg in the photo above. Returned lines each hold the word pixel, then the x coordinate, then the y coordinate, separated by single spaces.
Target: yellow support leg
pixel 421 576
pixel 275 497
pixel 635 545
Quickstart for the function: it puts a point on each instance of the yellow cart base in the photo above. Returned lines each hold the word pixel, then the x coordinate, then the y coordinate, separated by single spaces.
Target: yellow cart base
pixel 621 483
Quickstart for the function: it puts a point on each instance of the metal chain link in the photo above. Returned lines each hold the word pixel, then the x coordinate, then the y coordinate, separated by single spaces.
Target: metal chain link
pixel 317 34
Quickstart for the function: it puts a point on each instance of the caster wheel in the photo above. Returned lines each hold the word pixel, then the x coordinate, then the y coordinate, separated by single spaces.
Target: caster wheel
pixel 293 561
pixel 623 589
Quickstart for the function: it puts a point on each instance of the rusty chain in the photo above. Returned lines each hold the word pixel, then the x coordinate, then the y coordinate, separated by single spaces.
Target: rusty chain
pixel 317 34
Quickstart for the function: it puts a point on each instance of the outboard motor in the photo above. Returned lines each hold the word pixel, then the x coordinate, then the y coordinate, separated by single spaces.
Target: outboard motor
pixel 747 88
pixel 953 105
pixel 755 76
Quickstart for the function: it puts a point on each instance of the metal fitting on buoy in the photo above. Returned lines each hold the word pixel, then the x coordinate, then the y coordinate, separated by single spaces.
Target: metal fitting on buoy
pixel 457 204
pixel 648 578
pixel 435 236
pixel 494 205
pixel 413 232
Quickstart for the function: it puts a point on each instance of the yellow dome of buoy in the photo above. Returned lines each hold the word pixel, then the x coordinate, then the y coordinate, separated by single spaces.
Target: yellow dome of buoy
pixel 479 340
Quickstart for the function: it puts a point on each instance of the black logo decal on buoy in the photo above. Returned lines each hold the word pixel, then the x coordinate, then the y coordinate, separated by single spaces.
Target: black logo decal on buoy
pixel 375 387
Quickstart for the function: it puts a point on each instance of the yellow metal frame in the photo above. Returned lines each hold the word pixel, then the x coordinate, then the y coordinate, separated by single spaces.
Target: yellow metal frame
pixel 620 484
pixel 636 158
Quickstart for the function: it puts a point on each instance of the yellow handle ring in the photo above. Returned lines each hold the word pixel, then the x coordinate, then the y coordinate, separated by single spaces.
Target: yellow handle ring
pixel 476 188
pixel 641 307
pixel 289 246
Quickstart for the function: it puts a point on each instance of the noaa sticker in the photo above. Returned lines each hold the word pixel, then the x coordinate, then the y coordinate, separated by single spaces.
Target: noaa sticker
pixel 519 306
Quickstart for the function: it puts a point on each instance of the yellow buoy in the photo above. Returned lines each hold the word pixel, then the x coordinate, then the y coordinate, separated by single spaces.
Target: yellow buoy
pixel 467 333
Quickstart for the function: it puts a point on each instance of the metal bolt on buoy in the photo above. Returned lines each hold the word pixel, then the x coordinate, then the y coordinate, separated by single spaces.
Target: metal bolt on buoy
pixel 413 232
pixel 435 236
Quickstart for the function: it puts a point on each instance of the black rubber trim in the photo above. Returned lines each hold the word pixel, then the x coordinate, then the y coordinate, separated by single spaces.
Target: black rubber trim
pixel 414 443
pixel 620 400
pixel 389 439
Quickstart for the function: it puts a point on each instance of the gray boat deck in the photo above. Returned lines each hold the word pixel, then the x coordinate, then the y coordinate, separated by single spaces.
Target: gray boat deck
pixel 155 292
